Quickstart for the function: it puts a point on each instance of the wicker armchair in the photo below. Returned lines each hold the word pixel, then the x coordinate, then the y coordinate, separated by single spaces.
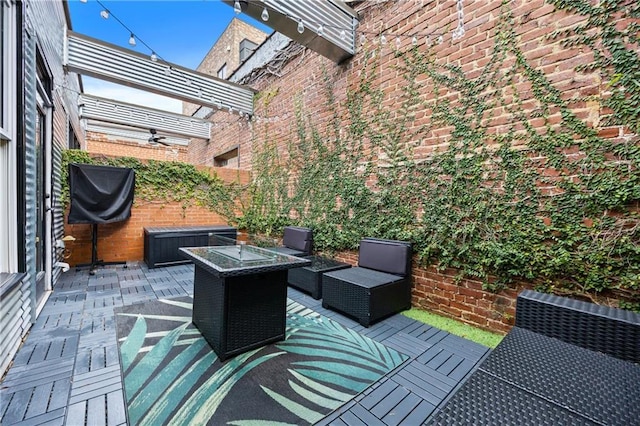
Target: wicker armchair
pixel 297 241
pixel 379 286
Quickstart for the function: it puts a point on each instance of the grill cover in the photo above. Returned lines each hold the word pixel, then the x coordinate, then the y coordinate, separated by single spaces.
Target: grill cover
pixel 100 194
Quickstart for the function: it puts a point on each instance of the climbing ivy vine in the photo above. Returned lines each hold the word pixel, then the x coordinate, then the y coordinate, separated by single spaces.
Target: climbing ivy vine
pixel 543 199
pixel 158 181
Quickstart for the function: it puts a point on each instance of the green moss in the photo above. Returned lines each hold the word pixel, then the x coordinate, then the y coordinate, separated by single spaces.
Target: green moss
pixel 458 328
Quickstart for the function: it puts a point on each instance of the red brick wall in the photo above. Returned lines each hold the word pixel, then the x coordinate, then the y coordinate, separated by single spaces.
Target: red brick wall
pixel 226 50
pixel 113 146
pixel 437 292
pixel 124 241
pixel 301 80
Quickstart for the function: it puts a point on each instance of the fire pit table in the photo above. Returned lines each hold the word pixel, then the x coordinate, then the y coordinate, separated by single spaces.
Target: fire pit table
pixel 240 295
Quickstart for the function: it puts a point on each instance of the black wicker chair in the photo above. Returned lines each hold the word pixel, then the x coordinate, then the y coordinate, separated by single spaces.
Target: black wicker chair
pixel 565 362
pixel 379 286
pixel 297 241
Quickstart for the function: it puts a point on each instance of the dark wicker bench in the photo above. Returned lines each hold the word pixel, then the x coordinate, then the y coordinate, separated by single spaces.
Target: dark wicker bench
pixel 379 286
pixel 565 362
pixel 162 244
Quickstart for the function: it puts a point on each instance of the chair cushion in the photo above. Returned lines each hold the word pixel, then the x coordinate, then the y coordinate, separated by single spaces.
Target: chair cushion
pixel 393 257
pixel 298 238
pixel 363 277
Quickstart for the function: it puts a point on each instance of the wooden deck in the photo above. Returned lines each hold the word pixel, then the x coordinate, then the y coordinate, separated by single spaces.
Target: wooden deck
pixel 67 371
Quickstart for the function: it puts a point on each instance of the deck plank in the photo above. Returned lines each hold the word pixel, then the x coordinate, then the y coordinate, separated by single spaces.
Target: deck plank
pixel 71 356
pixel 402 410
pixel 389 402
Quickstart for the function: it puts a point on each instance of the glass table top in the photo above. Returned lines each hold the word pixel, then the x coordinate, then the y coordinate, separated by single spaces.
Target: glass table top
pixel 234 256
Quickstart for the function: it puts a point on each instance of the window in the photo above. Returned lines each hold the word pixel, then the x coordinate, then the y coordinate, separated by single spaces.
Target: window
pixel 8 173
pixel 7 19
pixel 222 72
pixel 246 49
pixel 227 159
pixel 73 142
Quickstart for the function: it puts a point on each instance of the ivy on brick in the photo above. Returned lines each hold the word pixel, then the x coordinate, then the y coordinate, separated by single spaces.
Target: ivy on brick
pixel 158 181
pixel 544 200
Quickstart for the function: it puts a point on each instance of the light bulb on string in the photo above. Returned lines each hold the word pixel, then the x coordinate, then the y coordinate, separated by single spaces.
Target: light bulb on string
pixel 237 8
pixel 440 39
pixel 363 39
pixel 104 13
pixel 343 35
pixel 265 15
pixel 414 41
pixel 132 40
pixel 154 57
pixel 383 39
pixel 398 43
pixel 167 71
pixel 300 26
pixel 320 29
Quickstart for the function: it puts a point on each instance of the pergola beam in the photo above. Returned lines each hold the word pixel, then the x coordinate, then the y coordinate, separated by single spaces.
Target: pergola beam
pixel 338 39
pixel 116 112
pixel 88 56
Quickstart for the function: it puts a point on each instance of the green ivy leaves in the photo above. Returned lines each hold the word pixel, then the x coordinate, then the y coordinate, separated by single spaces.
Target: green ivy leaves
pixel 550 203
pixel 164 180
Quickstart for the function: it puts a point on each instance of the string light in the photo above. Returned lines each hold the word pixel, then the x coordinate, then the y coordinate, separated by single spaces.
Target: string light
pixel 321 29
pixel 459 31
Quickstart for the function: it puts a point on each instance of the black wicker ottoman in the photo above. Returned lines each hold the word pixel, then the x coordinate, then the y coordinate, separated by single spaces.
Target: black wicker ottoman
pixel 309 278
pixel 364 294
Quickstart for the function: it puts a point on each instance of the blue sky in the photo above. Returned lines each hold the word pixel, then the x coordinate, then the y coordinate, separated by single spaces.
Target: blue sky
pixel 179 31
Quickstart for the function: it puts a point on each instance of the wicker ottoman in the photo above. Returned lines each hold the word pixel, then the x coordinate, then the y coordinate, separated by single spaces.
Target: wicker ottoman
pixel 309 278
pixel 365 294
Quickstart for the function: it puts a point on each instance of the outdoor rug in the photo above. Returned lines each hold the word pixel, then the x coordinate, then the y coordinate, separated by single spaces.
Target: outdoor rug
pixel 172 376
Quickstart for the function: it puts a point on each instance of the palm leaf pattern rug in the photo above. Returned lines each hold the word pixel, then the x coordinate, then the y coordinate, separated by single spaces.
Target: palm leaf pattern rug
pixel 171 375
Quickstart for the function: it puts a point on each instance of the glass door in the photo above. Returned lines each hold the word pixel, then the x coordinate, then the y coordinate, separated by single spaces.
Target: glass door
pixel 43 190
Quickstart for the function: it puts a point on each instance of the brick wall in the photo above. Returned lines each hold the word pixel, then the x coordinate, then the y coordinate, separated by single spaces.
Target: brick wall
pixel 438 292
pixel 124 241
pixel 116 146
pixel 226 50
pixel 300 79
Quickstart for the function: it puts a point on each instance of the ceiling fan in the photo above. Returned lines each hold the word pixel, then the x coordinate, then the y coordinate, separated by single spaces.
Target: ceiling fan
pixel 154 140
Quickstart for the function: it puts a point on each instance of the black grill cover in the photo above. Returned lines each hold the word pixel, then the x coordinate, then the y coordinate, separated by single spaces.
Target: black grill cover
pixel 100 194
